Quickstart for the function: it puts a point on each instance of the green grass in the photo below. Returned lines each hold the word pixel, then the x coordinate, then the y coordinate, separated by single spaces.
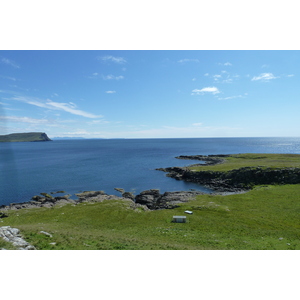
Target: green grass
pixel 265 218
pixel 237 161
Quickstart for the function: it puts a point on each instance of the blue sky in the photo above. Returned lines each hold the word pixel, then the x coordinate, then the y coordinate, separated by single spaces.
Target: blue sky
pixel 150 94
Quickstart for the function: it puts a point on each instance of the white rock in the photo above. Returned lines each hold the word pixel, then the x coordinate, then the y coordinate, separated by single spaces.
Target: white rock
pixel 46 233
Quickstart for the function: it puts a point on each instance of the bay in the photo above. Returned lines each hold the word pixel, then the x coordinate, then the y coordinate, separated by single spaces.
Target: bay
pixel 27 169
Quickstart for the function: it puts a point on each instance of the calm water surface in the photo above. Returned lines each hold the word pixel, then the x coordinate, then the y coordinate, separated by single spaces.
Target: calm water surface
pixel 27 169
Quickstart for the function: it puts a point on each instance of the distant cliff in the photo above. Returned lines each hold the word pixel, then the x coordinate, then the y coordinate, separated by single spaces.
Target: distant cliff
pixel 25 137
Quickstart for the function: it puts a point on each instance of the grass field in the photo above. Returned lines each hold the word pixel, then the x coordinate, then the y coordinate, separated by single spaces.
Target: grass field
pixel 236 161
pixel 265 218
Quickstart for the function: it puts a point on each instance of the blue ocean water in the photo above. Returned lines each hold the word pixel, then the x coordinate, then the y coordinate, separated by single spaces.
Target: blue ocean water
pixel 27 169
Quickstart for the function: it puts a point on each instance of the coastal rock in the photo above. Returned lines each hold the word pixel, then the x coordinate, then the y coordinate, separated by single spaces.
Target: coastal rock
pixel 12 235
pixel 38 198
pixel 128 195
pixel 89 194
pixel 120 190
pixel 236 180
pixel 154 200
pixel 3 215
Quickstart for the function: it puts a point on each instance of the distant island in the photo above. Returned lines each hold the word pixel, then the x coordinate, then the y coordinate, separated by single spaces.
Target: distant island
pixel 68 138
pixel 25 137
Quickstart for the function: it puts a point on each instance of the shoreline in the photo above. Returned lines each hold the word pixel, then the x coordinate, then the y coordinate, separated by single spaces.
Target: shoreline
pixel 147 200
pixel 235 181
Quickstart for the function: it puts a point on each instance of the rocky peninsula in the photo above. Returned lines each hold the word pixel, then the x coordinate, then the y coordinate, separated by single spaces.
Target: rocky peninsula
pixel 25 137
pixel 262 170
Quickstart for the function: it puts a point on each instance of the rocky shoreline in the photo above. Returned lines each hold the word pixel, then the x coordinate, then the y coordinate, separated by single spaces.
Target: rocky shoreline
pixel 234 181
pixel 147 200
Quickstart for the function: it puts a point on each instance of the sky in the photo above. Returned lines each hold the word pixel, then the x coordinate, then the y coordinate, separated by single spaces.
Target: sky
pixel 150 94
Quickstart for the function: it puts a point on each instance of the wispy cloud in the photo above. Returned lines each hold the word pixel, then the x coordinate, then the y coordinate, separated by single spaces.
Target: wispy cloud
pixel 217 77
pixel 211 89
pixel 49 104
pixel 264 77
pixel 114 59
pixel 112 77
pixel 110 92
pixel 231 97
pixel 188 60
pixel 24 120
pixel 95 122
pixel 8 77
pixel 227 64
pixel 9 62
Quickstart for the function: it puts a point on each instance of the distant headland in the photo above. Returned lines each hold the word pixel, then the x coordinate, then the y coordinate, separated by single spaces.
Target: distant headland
pixel 25 137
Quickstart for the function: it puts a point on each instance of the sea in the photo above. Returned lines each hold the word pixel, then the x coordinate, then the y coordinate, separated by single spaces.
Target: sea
pixel 73 166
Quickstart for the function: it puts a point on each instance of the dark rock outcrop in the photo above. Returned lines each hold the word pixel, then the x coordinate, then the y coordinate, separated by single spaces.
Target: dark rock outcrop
pixel 3 215
pixel 238 179
pixel 154 200
pixel 128 195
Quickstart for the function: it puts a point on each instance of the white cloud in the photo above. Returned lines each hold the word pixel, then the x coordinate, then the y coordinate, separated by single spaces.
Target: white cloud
pixel 188 60
pixel 109 58
pixel 112 77
pixel 211 89
pixel 10 62
pixel 264 77
pixel 110 92
pixel 8 77
pixel 231 97
pixel 94 122
pixel 49 104
pixel 24 120
pixel 217 77
pixel 225 64
pixel 197 124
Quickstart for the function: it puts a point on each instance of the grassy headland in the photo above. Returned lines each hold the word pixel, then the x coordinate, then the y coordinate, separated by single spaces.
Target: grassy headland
pixel 237 161
pixel 25 137
pixel 266 217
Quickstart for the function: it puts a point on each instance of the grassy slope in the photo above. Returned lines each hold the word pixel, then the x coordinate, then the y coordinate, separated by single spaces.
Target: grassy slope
pixel 23 137
pixel 237 161
pixel 264 218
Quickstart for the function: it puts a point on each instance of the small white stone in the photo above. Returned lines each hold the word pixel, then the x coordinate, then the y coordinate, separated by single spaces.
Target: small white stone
pixel 46 233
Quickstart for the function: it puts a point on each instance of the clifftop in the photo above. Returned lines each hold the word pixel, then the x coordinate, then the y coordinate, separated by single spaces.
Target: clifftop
pixel 25 137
